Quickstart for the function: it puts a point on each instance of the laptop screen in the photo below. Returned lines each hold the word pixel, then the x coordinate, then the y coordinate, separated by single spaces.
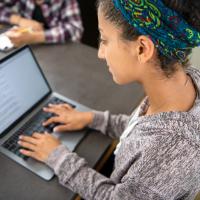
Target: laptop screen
pixel 22 85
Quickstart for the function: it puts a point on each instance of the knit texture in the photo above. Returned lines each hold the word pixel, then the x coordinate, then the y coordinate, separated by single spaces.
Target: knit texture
pixel 159 160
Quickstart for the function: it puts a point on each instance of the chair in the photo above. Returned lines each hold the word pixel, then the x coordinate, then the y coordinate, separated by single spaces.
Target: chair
pixel 197 197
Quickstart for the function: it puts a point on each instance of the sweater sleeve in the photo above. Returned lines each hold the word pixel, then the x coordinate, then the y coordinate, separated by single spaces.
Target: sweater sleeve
pixel 110 125
pixel 153 165
pixel 74 173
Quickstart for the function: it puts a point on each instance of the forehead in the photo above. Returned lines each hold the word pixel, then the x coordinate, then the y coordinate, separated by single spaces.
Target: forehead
pixel 105 25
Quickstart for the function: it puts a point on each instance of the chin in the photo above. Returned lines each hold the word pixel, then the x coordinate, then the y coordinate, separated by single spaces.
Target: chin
pixel 122 81
pixel 118 81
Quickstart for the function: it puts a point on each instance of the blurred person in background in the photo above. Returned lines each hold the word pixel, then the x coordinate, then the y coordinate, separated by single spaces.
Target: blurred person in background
pixel 41 21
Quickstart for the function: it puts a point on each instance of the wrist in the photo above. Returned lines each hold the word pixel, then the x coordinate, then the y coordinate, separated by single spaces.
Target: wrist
pixel 38 37
pixel 89 117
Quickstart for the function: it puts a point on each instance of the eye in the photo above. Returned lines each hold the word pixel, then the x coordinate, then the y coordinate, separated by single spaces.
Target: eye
pixel 102 41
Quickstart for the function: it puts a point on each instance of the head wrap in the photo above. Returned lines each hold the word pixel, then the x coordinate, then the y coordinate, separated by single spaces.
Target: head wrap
pixel 171 34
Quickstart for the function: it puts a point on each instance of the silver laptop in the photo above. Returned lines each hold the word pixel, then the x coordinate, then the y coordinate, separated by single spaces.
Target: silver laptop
pixel 24 91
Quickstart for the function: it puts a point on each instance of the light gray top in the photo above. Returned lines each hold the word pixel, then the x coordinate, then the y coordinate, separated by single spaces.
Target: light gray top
pixel 160 158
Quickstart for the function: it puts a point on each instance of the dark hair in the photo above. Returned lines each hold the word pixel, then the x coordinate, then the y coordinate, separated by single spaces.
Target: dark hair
pixel 189 9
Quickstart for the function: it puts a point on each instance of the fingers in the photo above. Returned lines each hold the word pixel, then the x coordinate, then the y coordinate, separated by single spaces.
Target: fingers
pixel 13 34
pixel 37 135
pixel 52 120
pixel 51 110
pixel 27 145
pixel 46 143
pixel 30 143
pixel 48 134
pixel 28 139
pixel 56 108
pixel 27 153
pixel 14 28
pixel 31 154
pixel 59 110
pixel 32 140
pixel 67 106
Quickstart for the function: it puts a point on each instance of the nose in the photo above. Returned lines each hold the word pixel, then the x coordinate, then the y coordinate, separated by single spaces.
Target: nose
pixel 101 53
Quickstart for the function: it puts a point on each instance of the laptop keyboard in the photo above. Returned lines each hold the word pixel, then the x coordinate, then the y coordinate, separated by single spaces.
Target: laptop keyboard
pixel 33 125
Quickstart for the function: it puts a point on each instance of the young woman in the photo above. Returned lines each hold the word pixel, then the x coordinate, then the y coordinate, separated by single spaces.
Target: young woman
pixel 49 21
pixel 158 157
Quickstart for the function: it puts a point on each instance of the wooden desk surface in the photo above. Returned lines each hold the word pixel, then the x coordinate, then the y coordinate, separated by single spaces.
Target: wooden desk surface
pixel 72 70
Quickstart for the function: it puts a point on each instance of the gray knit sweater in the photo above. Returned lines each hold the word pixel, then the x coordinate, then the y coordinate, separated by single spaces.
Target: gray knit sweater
pixel 160 158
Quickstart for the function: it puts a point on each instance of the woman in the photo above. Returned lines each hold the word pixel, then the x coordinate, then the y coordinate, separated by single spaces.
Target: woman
pixel 44 20
pixel 158 156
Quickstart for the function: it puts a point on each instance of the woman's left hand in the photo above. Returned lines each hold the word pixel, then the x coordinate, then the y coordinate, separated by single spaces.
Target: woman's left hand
pixel 38 146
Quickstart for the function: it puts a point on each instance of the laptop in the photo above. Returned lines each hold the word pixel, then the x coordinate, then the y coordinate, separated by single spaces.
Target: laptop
pixel 24 91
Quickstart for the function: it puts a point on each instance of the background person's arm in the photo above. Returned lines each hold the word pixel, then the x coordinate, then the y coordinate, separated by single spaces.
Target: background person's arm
pixel 26 23
pixel 15 19
pixel 69 26
pixel 9 16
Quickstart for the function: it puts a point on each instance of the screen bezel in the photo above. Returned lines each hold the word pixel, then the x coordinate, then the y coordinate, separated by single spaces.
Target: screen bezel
pixel 39 101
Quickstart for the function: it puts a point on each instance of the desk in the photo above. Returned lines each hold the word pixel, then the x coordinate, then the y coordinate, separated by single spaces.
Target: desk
pixel 73 70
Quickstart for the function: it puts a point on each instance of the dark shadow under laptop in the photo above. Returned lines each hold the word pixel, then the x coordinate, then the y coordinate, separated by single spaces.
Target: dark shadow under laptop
pixel 24 91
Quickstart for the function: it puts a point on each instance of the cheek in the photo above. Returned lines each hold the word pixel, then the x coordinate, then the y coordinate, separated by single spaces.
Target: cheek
pixel 120 63
pixel 123 69
pixel 112 56
pixel 116 61
pixel 117 68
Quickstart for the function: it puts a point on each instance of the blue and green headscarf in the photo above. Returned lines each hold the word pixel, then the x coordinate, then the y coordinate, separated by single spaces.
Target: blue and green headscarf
pixel 171 34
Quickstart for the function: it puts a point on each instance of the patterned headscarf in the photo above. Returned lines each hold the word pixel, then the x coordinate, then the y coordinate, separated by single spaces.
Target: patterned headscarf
pixel 171 34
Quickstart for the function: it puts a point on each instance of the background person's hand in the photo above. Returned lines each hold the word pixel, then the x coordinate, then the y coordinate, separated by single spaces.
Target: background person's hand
pixel 69 118
pixel 22 36
pixel 18 37
pixel 29 23
pixel 38 146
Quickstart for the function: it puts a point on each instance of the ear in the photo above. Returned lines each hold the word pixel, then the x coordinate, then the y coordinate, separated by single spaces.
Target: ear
pixel 145 49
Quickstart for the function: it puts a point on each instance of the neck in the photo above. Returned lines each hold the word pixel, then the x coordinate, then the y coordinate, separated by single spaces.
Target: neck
pixel 170 94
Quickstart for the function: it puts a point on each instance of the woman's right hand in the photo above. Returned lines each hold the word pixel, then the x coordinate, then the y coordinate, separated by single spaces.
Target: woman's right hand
pixel 68 118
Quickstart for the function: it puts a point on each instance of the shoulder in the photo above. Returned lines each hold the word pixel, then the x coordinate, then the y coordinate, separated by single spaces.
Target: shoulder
pixel 166 128
pixel 173 143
